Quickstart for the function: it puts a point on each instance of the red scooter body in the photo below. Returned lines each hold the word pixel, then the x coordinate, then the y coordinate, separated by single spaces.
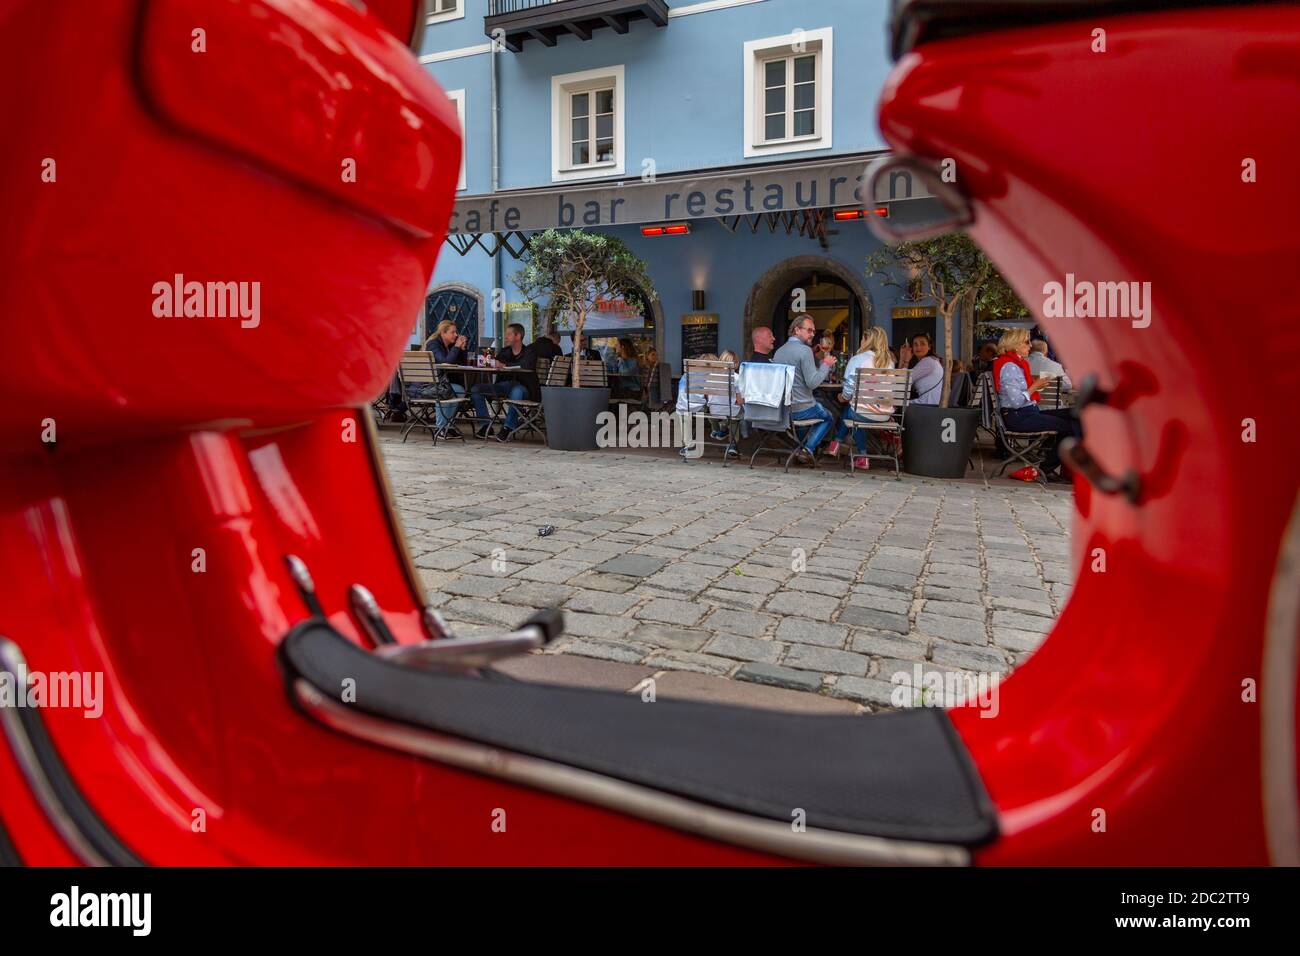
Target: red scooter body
pixel 190 454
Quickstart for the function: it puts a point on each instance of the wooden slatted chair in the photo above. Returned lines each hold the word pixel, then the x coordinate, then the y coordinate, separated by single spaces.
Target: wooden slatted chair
pixel 881 393
pixel 592 373
pixel 530 417
pixel 1051 395
pixel 713 380
pixel 420 381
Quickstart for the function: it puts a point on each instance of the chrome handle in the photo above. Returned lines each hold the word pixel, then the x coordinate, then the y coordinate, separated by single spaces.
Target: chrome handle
pixel 473 653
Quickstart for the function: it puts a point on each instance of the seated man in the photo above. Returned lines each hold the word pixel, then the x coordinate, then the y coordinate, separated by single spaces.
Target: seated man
pixel 763 341
pixel 548 346
pixel 807 376
pixel 1044 367
pixel 514 354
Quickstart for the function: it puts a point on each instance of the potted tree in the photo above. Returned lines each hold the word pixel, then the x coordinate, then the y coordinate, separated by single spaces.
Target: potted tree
pixel 953 273
pixel 576 271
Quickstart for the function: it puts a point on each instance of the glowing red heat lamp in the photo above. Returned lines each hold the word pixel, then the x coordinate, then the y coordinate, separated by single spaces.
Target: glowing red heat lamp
pixel 881 211
pixel 674 229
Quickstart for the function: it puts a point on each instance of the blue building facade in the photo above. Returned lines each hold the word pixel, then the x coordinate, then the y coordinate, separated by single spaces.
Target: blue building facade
pixel 717 138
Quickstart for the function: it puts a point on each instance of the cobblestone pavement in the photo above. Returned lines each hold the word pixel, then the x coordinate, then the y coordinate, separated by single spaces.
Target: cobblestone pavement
pixel 702 576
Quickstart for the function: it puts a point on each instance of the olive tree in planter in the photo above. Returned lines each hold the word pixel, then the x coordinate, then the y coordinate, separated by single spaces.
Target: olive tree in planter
pixel 953 273
pixel 576 271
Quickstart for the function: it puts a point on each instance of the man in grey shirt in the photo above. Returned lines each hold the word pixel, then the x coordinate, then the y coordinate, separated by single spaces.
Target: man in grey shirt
pixel 1042 366
pixel 807 376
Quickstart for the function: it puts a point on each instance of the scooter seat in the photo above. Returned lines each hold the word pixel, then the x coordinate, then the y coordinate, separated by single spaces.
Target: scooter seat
pixel 900 776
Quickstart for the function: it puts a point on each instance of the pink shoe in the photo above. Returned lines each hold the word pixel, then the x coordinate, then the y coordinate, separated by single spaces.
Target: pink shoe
pixel 833 449
pixel 861 462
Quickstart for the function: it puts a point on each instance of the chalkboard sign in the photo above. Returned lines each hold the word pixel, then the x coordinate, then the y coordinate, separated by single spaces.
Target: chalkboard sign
pixel 699 334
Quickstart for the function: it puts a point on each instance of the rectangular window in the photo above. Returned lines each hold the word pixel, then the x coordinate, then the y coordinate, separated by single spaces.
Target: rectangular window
pixel 458 97
pixel 440 10
pixel 788 102
pixel 587 123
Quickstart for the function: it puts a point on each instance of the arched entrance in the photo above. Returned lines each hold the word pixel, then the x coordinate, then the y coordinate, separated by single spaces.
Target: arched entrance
pixel 828 290
pixel 460 303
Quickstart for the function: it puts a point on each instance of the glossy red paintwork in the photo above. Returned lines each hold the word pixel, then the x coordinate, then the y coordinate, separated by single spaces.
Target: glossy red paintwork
pixel 1127 165
pixel 177 435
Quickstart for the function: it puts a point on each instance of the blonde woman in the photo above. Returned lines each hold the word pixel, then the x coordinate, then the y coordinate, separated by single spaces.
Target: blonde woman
pixel 719 406
pixel 692 404
pixel 873 352
pixel 448 347
pixel 1017 390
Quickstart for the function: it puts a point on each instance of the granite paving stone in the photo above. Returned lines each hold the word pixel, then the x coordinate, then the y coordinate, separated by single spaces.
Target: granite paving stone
pixel 956 577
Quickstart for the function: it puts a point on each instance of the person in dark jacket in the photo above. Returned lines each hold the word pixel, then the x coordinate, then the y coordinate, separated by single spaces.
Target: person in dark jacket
pixel 514 387
pixel 448 349
pixel 548 346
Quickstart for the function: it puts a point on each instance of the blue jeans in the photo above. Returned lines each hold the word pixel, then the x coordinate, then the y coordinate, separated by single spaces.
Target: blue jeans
pixel 511 390
pixel 815 432
pixel 859 434
pixel 445 412
pixel 1031 418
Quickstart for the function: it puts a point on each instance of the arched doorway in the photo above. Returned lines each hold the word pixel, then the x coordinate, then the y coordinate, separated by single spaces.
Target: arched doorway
pixel 828 290
pixel 830 302
pixel 461 304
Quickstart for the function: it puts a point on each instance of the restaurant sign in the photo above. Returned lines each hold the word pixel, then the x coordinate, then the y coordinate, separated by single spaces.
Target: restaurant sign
pixel 745 191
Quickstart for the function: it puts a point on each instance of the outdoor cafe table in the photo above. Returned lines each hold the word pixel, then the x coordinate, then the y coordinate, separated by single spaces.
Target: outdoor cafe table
pixel 488 371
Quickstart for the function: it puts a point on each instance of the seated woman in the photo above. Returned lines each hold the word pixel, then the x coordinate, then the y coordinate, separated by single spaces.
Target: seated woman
pixel 448 349
pixel 690 405
pixel 625 365
pixel 927 369
pixel 872 353
pixel 719 406
pixel 1018 400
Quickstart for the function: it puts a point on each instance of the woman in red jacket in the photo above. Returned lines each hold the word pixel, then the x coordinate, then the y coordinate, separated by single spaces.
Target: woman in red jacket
pixel 1018 400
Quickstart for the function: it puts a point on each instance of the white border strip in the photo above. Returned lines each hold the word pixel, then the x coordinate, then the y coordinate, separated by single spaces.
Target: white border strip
pixel 1278 703
pixel 708 6
pixel 456 54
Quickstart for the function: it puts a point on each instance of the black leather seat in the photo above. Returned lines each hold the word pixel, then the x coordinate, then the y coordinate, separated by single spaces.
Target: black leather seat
pixel 902 776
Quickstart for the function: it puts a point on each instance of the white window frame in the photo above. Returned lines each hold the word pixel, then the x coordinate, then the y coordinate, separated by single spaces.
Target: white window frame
pixel 457 13
pixel 757 53
pixel 562 88
pixel 458 97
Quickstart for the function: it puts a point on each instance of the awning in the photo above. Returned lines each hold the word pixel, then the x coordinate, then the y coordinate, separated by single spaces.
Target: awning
pixel 739 193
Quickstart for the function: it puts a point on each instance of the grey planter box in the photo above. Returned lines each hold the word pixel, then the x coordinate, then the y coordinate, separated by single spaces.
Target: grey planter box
pixel 571 416
pixel 924 450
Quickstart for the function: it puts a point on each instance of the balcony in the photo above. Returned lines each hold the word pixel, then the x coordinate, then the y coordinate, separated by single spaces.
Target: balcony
pixel 548 20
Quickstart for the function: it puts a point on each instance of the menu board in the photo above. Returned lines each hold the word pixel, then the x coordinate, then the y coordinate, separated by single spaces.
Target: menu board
pixel 699 334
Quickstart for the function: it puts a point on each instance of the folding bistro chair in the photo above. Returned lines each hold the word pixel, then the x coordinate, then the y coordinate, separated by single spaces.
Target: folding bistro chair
pixel 881 392
pixel 785 431
pixel 421 382
pixel 593 373
pixel 1050 395
pixel 383 407
pixel 713 381
pixel 531 418
pixel 1024 447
